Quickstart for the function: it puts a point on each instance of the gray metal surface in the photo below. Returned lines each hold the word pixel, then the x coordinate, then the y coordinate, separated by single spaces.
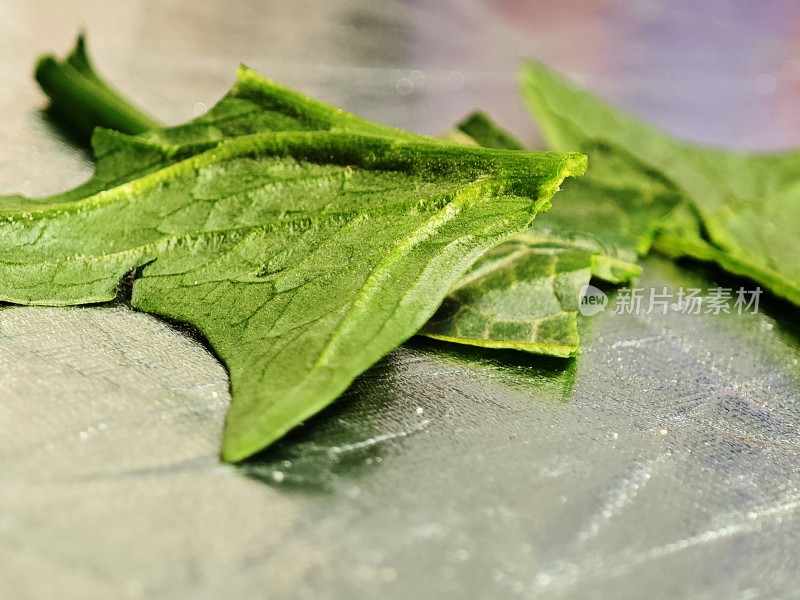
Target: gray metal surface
pixel 662 463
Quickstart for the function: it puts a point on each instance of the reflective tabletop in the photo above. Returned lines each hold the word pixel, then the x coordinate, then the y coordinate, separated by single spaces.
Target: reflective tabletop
pixel 663 462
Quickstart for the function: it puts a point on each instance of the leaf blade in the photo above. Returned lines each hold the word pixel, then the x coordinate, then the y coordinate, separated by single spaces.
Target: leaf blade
pixel 749 203
pixel 328 250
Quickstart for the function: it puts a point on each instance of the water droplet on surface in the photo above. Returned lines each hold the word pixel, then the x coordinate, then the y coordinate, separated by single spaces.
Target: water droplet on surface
pixel 455 80
pixel 404 86
pixel 791 69
pixel 417 78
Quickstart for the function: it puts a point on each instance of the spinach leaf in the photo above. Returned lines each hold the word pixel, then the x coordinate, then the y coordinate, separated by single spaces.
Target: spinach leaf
pixel 257 105
pixel 748 203
pixel 525 293
pixel 521 296
pixel 303 257
pixel 479 129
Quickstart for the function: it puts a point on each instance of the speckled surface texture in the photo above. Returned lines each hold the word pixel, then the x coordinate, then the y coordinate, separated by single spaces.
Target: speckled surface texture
pixel 664 462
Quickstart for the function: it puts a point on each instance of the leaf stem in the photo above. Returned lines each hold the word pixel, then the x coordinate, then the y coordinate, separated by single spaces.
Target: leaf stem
pixel 81 97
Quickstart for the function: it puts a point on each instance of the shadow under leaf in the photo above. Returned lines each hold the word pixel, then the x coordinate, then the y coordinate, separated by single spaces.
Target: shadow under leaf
pixel 398 398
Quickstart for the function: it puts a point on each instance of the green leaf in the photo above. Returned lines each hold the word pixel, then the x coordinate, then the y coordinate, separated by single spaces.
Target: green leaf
pixel 683 237
pixel 303 257
pixel 520 296
pixel 525 293
pixel 613 212
pixel 257 105
pixel 748 203
pixel 479 129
